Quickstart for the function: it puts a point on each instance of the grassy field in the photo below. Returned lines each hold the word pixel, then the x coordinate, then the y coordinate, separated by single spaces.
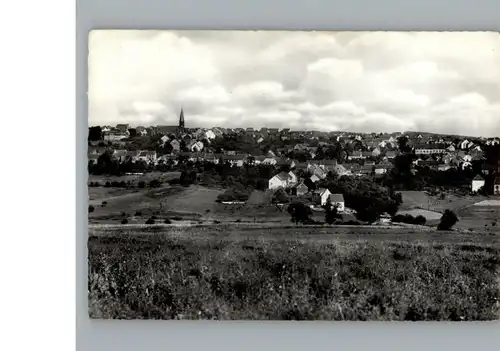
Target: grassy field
pixel 231 272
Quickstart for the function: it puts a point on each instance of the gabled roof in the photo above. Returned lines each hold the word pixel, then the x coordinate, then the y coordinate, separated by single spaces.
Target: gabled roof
pixel 336 198
pixel 321 191
pixel 478 177
pixel 283 176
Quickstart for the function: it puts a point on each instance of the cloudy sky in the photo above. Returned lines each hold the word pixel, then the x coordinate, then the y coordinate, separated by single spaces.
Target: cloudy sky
pixel 446 82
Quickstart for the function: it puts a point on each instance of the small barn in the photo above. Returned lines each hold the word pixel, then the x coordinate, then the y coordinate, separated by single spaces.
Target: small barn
pixel 337 200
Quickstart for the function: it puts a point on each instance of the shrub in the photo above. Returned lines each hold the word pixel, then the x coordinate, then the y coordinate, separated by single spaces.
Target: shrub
pixel 420 220
pixel 141 184
pixel 91 208
pixel 300 212
pixel 138 213
pixel 123 214
pixel 124 221
pixel 216 222
pixel 155 183
pixel 154 217
pixel 448 220
pixel 104 203
pixel 150 221
pixel 167 221
pixel 177 218
pixel 238 220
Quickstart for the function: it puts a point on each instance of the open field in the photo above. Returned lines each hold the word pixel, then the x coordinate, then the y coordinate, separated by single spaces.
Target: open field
pixel 233 272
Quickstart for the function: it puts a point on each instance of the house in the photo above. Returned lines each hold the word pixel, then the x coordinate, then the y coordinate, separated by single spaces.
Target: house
pixel 464 145
pixel 300 166
pixel 376 152
pixel 236 160
pixel 390 154
pixel 443 167
pixel 380 169
pixel 260 140
pixel 429 149
pixel 281 162
pixel 259 159
pixel 176 145
pixel 314 178
pixel 496 186
pixel 141 131
pixel 451 148
pixel 147 156
pixel 282 180
pixel 467 158
pixel 477 183
pixel 320 196
pixel 123 127
pixel 93 158
pixel 120 155
pixel 132 156
pixel 195 146
pixel 164 139
pixel 210 134
pixel 329 165
pixel 341 170
pixel 355 155
pixel 300 189
pixel 338 200
pixel 115 135
pixel 269 161
pixel 317 170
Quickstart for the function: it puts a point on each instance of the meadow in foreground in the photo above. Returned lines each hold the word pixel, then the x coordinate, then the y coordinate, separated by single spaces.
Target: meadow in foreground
pixel 159 277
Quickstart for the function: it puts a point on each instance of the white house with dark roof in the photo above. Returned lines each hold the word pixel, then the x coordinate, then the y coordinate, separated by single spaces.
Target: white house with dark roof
pixel 320 196
pixel 282 180
pixel 477 183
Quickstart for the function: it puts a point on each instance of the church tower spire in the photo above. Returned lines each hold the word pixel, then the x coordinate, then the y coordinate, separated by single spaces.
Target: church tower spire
pixel 181 120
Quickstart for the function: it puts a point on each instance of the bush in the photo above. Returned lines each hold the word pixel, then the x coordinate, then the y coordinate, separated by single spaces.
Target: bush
pixel 91 208
pixel 155 183
pixel 138 213
pixel 123 214
pixel 177 218
pixel 167 221
pixel 300 212
pixel 216 222
pixel 448 220
pixel 420 220
pixel 124 221
pixel 409 219
pixel 141 184
pixel 150 221
pixel 104 203
pixel 238 220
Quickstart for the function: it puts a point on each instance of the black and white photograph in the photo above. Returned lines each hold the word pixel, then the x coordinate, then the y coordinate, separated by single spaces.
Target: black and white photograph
pixel 293 175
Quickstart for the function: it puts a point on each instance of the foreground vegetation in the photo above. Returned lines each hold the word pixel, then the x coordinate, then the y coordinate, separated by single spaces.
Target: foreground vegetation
pixel 160 277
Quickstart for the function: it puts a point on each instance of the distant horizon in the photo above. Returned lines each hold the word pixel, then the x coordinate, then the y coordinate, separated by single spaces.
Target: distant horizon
pixel 133 126
pixel 447 82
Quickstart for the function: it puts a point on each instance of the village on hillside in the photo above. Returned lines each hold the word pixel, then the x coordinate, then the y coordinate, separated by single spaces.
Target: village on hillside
pixel 311 167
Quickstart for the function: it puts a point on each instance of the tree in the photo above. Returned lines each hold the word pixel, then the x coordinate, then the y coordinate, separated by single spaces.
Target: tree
pixel 132 132
pixel 280 196
pixel 331 212
pixel 300 212
pixel 448 220
pixel 95 133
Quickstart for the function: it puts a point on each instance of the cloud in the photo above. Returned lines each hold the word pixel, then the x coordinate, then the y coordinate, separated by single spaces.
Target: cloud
pixel 446 82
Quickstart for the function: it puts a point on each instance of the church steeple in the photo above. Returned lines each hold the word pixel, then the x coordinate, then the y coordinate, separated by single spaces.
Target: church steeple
pixel 181 120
